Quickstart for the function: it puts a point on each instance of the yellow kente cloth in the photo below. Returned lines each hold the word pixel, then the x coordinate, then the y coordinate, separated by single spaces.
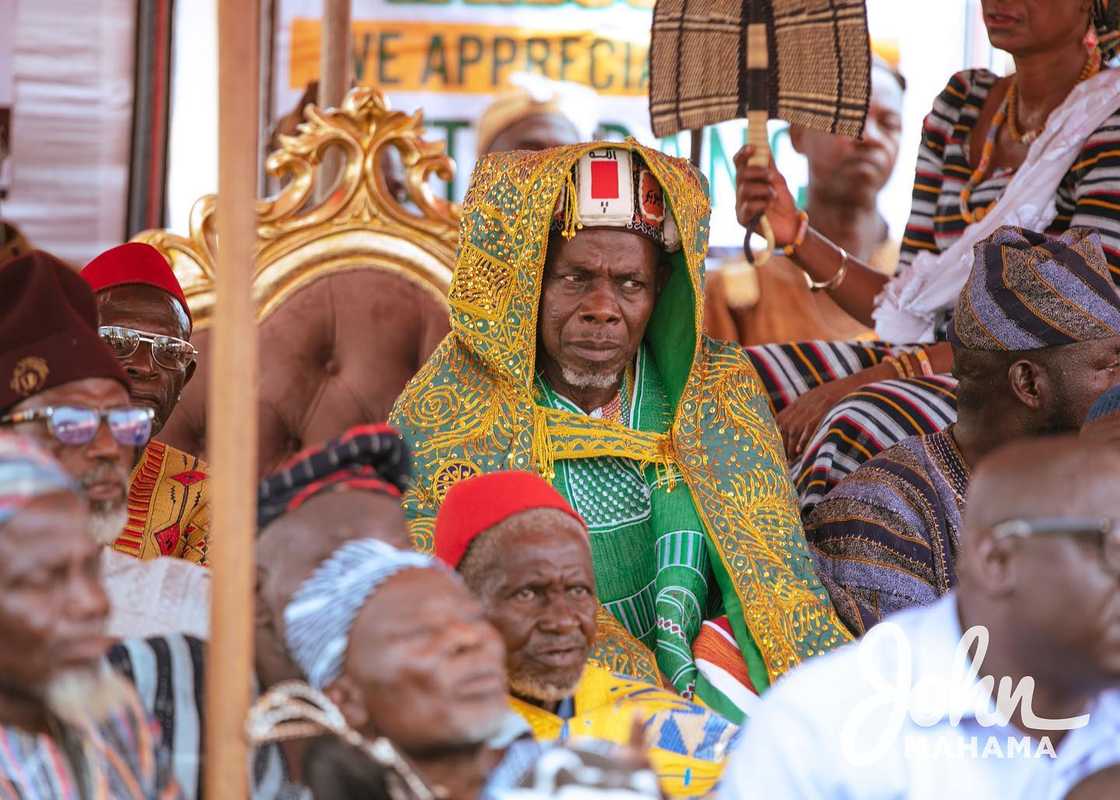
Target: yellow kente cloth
pixel 472 407
pixel 687 743
pixel 168 506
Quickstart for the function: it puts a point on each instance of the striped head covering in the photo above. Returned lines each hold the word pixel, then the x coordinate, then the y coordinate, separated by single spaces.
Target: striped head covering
pixel 371 458
pixel 27 472
pixel 318 619
pixel 1028 291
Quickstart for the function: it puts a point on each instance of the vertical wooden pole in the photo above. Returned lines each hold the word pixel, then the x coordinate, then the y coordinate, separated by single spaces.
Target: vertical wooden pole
pixel 334 57
pixel 696 148
pixel 334 76
pixel 232 401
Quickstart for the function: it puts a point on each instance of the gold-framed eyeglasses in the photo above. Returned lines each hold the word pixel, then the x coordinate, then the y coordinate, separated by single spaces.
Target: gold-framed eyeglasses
pixel 169 352
pixel 1105 530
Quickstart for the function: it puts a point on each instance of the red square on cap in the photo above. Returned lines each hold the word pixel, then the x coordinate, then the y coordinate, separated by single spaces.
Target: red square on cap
pixel 604 180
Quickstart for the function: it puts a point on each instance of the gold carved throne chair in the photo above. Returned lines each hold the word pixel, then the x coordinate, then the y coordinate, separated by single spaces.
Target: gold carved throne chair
pixel 350 290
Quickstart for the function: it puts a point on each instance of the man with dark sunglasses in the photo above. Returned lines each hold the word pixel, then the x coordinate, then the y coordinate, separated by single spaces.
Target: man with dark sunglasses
pixel 146 323
pixel 1008 686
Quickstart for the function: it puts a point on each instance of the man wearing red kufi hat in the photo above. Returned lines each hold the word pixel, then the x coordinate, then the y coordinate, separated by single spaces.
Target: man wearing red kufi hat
pixel 525 553
pixel 145 320
pixel 61 385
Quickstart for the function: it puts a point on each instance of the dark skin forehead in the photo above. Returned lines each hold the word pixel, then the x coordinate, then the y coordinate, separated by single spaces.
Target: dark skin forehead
pixel 43 536
pixel 431 597
pixel 145 308
pixel 1066 476
pixel 540 545
pixel 537 132
pixel 92 392
pixel 619 251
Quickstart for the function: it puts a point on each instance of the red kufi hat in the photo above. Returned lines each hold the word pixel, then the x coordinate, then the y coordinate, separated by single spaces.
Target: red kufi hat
pixel 477 504
pixel 134 263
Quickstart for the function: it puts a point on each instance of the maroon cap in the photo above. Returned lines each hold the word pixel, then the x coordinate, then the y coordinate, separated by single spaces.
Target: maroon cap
pixel 48 329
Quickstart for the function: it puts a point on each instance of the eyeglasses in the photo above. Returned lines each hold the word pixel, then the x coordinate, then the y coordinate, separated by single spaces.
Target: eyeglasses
pixel 170 352
pixel 74 426
pixel 1105 529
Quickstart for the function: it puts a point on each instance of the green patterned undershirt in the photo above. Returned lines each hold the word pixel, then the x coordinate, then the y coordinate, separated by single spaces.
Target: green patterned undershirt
pixel 651 561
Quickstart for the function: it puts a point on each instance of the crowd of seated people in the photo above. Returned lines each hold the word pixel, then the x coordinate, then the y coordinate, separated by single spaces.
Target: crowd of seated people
pixel 594 551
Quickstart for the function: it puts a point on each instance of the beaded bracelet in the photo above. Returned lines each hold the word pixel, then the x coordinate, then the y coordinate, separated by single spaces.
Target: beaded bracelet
pixel 897 367
pixel 799 239
pixel 924 362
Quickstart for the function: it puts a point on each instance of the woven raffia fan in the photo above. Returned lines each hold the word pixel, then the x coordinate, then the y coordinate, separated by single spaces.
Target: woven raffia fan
pixel 805 61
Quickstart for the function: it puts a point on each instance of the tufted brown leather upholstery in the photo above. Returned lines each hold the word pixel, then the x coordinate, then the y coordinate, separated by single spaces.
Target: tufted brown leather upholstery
pixel 350 289
pixel 335 354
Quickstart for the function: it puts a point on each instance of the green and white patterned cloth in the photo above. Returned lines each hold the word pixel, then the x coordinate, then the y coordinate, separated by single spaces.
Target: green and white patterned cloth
pixel 651 562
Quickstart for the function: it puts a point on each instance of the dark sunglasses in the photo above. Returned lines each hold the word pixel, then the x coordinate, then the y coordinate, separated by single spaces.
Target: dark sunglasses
pixel 1104 529
pixel 74 426
pixel 169 352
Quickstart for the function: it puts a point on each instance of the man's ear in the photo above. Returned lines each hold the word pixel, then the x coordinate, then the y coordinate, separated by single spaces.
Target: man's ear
pixel 1029 383
pixel 190 372
pixel 989 566
pixel 351 701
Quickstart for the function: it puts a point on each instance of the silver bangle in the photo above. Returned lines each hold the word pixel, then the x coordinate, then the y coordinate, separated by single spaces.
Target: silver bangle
pixel 835 280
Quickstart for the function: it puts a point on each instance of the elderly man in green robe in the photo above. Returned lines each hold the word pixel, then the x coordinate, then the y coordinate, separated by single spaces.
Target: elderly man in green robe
pixel 576 350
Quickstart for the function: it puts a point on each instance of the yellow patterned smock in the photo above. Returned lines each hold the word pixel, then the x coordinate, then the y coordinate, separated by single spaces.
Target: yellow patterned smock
pixel 472 407
pixel 688 744
pixel 168 506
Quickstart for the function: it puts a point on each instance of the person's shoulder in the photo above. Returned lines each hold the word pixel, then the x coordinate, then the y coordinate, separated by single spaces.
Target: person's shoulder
pixel 897 460
pixel 723 353
pixel 182 466
pixel 961 85
pixel 879 491
pixel 964 88
pixel 1102 142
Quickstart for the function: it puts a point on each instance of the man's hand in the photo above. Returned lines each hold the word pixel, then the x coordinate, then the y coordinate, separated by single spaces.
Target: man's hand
pixel 763 190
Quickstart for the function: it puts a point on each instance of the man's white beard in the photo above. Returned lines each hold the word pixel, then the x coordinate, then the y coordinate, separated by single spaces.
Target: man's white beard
pixel 536 689
pixel 106 523
pixel 581 379
pixel 484 730
pixel 87 697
